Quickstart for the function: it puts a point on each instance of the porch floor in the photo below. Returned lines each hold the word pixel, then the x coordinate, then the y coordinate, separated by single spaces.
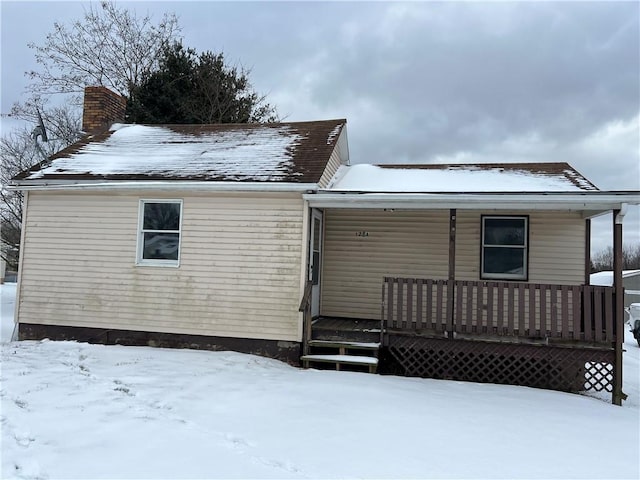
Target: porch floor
pixel 570 366
pixel 346 329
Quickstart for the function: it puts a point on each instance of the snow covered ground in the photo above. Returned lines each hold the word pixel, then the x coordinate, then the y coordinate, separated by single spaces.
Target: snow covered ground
pixel 73 410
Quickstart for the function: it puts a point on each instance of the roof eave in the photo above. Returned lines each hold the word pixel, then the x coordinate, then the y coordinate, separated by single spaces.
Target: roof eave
pixel 172 185
pixel 592 201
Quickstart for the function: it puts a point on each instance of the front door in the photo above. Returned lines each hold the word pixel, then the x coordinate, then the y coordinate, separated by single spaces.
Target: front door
pixel 315 256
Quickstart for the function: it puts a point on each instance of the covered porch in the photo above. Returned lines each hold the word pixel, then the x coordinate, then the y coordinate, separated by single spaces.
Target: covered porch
pixel 558 337
pixel 423 266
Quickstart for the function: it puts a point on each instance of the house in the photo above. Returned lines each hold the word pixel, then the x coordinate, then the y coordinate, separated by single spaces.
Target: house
pixel 265 239
pixel 630 282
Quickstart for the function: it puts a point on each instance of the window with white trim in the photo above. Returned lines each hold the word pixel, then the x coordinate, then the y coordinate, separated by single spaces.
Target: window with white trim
pixel 159 232
pixel 504 253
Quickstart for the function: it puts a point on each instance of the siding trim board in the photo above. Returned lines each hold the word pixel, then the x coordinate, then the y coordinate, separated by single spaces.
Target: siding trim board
pixel 23 236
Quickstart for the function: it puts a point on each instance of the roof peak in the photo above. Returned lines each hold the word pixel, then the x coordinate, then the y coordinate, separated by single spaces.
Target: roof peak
pixel 236 125
pixel 487 165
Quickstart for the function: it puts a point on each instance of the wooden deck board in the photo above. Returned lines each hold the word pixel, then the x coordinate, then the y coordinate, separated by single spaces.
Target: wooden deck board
pixel 345 344
pixel 347 324
pixel 348 359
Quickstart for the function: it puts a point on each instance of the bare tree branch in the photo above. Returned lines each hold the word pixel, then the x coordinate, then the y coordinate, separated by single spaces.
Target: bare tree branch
pixel 110 46
pixel 18 152
pixel 603 260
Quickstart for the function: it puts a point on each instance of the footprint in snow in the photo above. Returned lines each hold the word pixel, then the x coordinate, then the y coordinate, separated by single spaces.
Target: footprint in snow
pixel 287 466
pixel 237 441
pixel 29 470
pixel 125 390
pixel 23 439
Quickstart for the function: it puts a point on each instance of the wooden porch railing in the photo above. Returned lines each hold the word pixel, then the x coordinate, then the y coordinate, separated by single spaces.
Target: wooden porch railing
pixel 565 312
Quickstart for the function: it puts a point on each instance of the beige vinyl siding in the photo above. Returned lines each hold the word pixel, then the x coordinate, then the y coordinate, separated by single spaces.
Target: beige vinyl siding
pixel 400 243
pixel 239 273
pixel 330 170
pixel 556 246
pixel 416 244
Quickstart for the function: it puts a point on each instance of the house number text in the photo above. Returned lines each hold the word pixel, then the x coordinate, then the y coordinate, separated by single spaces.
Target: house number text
pixel 362 234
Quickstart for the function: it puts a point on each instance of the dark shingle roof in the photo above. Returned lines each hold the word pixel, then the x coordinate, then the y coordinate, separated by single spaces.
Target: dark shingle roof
pixel 561 171
pixel 460 178
pixel 295 152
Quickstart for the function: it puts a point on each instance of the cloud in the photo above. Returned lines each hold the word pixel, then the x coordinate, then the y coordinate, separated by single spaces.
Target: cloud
pixel 442 82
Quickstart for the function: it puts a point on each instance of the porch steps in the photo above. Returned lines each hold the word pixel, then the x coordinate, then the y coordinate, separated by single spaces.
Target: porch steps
pixel 367 354
pixel 338 360
pixel 345 345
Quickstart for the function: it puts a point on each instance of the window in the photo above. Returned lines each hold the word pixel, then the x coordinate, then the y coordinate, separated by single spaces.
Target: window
pixel 504 248
pixel 159 232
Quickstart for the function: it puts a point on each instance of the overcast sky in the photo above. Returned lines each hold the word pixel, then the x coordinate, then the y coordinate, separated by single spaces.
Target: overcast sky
pixel 420 82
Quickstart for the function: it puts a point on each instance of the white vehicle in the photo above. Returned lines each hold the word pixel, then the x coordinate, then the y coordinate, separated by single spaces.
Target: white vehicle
pixel 634 320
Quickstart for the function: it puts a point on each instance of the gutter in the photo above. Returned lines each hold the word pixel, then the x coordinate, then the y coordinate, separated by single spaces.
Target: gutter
pixel 170 185
pixel 592 200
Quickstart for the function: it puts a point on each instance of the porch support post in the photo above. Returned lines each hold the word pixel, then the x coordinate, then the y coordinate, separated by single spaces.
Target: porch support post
pixel 452 272
pixel 617 395
pixel 587 252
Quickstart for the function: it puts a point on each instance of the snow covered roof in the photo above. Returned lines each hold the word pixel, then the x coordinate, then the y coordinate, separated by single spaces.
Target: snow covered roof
pixel 516 177
pixel 279 152
pixel 605 278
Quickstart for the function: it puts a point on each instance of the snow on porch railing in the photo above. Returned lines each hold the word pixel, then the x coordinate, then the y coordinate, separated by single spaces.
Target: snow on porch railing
pixel 563 312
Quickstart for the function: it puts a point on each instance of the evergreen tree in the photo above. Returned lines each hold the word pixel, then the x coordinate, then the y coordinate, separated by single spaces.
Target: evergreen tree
pixel 189 88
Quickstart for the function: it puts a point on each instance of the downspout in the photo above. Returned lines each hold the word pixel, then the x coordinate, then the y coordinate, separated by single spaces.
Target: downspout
pixel 617 395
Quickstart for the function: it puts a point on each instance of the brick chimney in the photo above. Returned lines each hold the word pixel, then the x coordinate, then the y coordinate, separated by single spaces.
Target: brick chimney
pixel 101 109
